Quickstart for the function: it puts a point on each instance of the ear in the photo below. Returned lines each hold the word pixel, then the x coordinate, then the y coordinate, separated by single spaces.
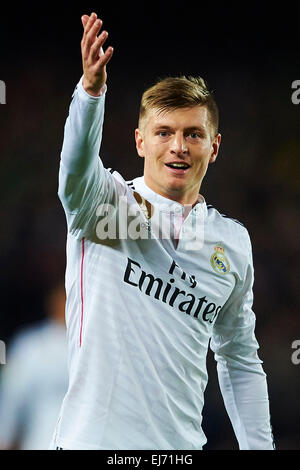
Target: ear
pixel 215 148
pixel 139 141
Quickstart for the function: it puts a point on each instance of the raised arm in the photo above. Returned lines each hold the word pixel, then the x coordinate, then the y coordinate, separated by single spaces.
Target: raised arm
pixel 83 181
pixel 83 129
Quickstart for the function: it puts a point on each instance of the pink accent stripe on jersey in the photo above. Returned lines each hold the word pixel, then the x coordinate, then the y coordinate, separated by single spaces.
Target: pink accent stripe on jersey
pixel 177 235
pixel 81 291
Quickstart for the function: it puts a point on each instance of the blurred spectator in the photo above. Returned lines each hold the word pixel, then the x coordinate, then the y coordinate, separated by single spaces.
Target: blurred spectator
pixel 34 380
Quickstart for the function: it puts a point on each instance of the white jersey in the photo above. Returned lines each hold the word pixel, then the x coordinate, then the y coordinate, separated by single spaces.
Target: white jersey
pixel 142 309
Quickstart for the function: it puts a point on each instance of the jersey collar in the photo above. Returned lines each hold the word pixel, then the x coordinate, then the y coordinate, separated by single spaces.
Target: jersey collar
pixel 164 204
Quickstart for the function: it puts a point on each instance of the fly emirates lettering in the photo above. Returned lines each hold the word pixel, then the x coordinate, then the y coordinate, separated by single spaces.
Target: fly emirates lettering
pixel 168 293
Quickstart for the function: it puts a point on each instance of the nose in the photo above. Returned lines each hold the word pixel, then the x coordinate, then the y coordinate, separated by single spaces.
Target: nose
pixel 178 145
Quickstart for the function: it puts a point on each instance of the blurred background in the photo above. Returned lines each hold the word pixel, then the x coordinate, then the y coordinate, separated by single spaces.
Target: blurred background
pixel 249 55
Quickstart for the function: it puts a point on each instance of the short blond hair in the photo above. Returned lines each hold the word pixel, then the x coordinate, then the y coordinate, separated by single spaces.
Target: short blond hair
pixel 171 93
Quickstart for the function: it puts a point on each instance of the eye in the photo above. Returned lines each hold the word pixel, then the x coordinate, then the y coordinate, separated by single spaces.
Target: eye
pixel 163 133
pixel 196 136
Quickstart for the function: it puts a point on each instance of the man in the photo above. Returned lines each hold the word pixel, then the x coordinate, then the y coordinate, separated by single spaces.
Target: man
pixel 153 274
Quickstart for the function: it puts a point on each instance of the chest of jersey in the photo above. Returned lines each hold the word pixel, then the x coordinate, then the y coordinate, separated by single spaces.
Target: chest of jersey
pixel 172 275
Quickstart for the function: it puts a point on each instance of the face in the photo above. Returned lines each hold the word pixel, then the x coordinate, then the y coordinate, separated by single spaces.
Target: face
pixel 177 147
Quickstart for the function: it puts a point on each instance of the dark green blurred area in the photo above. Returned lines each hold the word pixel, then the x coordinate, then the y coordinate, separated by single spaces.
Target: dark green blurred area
pixel 250 56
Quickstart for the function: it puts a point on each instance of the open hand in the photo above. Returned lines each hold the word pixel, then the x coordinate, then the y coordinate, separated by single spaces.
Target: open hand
pixel 94 59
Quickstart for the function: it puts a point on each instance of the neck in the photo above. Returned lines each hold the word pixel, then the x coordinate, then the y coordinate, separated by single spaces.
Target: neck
pixel 185 198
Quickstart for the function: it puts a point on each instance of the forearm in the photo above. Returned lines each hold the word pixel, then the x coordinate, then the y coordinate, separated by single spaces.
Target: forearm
pixel 81 173
pixel 83 131
pixel 245 395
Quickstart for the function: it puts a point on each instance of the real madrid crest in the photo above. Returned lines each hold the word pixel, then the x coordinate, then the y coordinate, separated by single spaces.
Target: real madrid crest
pixel 219 261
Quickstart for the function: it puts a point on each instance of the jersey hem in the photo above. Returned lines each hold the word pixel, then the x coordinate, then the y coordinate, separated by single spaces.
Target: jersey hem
pixel 77 445
pixel 66 444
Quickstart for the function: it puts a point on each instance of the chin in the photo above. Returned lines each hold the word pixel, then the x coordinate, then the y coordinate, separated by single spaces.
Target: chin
pixel 176 182
pixel 176 187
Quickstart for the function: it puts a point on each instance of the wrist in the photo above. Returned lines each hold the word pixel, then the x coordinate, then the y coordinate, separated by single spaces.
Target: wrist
pixel 93 90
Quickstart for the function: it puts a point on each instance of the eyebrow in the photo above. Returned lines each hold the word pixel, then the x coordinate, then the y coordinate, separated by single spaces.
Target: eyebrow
pixel 186 129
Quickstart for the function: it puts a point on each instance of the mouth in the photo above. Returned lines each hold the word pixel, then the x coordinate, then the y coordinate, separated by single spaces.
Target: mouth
pixel 179 168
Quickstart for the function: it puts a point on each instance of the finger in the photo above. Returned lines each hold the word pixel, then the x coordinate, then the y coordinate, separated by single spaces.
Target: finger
pixel 90 37
pixel 104 59
pixel 90 23
pixel 84 20
pixel 93 32
pixel 98 44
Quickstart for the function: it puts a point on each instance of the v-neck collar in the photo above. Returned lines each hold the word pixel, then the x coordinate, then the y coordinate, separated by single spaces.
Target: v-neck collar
pixel 164 204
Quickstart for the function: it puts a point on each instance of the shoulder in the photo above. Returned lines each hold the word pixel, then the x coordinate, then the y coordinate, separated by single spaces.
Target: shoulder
pixel 212 211
pixel 234 238
pixel 230 226
pixel 128 184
